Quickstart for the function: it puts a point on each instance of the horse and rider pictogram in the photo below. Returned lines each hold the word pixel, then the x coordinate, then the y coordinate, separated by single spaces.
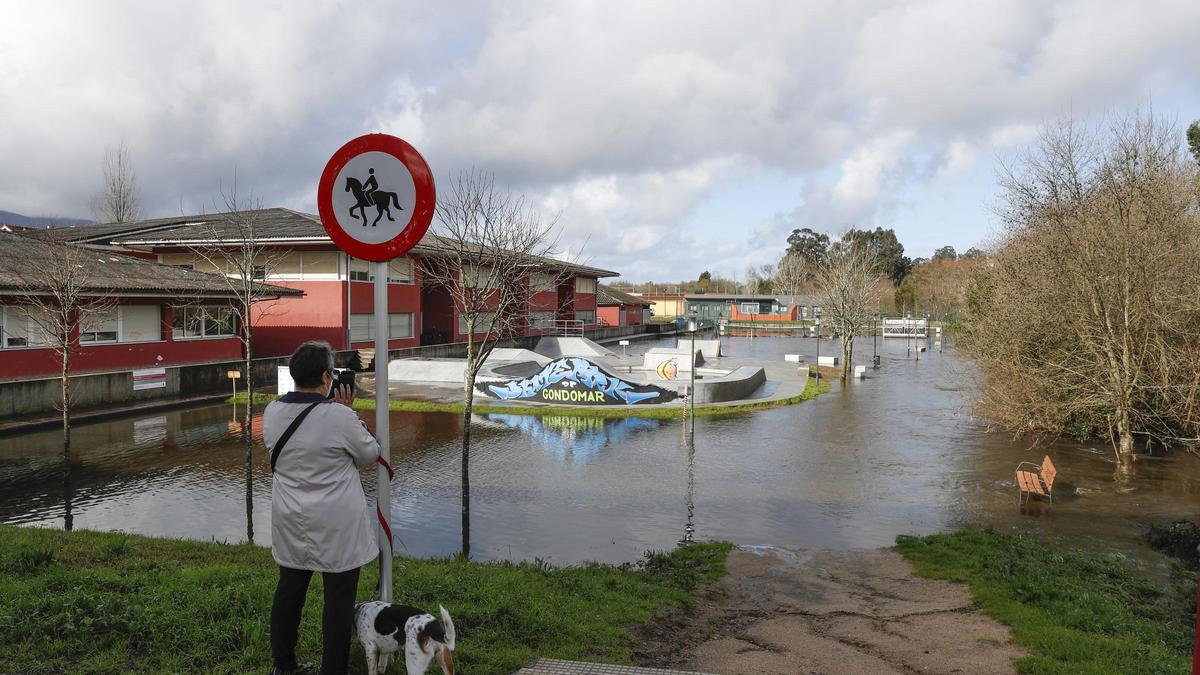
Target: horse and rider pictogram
pixel 369 194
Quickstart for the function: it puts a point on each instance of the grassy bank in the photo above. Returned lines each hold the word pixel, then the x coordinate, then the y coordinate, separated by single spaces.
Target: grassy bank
pixel 84 602
pixel 1073 612
pixel 811 390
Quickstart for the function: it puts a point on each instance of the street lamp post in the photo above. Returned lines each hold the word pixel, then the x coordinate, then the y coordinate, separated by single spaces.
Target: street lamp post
pixel 817 323
pixel 875 341
pixel 692 325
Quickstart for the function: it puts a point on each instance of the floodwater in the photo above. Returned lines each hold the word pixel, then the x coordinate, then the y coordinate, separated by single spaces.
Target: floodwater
pixel 896 453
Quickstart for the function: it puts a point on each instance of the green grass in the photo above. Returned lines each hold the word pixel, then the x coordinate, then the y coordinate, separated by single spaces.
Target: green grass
pixel 92 602
pixel 1073 612
pixel 811 390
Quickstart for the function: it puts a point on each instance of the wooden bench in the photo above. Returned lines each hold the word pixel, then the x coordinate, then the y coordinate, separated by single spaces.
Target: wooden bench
pixel 1039 482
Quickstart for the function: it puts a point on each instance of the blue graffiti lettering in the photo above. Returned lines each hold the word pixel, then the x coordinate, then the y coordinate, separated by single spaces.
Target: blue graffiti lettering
pixel 577 370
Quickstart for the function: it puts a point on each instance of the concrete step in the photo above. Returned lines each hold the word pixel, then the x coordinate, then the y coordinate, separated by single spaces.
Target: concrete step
pixel 557 667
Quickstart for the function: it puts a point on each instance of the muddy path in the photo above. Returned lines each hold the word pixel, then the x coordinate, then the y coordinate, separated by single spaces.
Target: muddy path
pixel 859 611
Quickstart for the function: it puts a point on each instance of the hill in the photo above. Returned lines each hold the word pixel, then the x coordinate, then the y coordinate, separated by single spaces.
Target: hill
pixel 10 218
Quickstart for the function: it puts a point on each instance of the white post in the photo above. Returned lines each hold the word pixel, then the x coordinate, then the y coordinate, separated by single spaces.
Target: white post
pixel 383 486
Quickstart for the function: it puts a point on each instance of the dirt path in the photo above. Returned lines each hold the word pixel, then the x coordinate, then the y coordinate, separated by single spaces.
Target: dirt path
pixel 864 611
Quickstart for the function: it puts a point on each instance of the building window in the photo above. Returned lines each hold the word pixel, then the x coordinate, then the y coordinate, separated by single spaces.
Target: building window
pixel 478 276
pixel 183 260
pixel 203 322
pixel 360 270
pixel 585 285
pixel 749 308
pixel 400 270
pixel 483 322
pixel 99 327
pixel 362 326
pixel 140 323
pixel 542 320
pixel 587 316
pixel 400 325
pixel 19 329
pixel 543 283
pixel 319 265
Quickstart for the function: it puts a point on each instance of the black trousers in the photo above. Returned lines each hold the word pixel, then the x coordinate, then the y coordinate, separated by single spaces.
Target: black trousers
pixel 336 617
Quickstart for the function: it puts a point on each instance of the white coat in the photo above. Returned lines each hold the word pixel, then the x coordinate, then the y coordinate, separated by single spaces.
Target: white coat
pixel 319 518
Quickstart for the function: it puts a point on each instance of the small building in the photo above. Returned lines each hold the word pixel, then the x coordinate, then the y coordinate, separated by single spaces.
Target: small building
pixel 664 304
pixel 615 308
pixel 147 316
pixel 805 307
pixel 720 306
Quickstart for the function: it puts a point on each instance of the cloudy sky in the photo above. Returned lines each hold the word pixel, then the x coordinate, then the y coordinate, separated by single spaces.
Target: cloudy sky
pixel 670 137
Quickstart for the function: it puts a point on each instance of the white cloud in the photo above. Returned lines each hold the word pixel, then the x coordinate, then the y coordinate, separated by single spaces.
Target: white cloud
pixel 625 118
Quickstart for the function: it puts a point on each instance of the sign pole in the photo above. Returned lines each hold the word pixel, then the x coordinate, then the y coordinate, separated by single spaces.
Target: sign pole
pixel 368 179
pixel 383 489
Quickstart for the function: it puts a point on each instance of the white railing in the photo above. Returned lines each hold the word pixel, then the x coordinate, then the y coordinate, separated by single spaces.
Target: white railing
pixel 564 327
pixel 901 327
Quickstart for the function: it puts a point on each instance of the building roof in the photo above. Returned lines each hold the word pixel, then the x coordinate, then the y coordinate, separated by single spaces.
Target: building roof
pixel 731 297
pixel 608 296
pixel 272 226
pixel 109 272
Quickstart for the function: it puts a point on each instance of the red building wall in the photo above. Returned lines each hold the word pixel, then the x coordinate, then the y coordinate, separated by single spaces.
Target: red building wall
pixel 282 325
pixel 42 362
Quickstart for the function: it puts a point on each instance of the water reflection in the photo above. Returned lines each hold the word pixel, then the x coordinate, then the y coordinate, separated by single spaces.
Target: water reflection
pixel 574 440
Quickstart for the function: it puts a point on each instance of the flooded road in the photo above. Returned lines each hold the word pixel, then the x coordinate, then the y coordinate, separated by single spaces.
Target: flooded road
pixel 897 453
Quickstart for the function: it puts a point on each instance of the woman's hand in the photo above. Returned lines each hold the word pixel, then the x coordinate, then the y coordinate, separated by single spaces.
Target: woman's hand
pixel 343 395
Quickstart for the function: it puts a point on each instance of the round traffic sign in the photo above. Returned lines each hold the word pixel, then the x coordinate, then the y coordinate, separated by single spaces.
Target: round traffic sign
pixel 376 197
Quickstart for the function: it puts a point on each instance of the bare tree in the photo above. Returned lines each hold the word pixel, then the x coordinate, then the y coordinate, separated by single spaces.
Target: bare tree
pixel 1087 320
pixel 59 300
pixel 119 201
pixel 233 247
pixel 489 254
pixel 792 274
pixel 847 282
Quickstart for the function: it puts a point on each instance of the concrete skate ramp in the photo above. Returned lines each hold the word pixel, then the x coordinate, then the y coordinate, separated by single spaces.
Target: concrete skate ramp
pixel 454 370
pixel 518 369
pixel 427 370
pixel 508 354
pixel 656 356
pixel 554 347
pixel 710 348
pixel 739 384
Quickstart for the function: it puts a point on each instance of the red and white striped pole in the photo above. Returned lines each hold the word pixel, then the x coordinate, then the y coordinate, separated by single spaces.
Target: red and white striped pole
pixel 383 482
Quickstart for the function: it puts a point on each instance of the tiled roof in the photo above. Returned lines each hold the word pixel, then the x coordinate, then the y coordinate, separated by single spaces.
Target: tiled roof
pixel 606 295
pixel 271 225
pixel 112 272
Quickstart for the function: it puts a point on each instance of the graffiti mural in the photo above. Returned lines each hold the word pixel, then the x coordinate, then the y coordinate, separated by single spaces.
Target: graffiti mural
pixel 577 381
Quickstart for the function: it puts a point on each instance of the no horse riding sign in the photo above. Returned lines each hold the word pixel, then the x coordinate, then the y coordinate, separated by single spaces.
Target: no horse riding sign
pixel 376 197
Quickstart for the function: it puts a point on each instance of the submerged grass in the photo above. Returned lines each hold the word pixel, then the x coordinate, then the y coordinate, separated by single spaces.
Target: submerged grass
pixel 86 602
pixel 811 390
pixel 1073 612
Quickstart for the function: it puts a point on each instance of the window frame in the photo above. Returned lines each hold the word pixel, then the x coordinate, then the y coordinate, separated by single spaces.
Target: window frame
pixel 181 312
pixel 592 281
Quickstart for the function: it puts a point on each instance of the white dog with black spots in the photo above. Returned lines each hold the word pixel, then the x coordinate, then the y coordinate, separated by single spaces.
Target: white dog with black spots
pixel 385 629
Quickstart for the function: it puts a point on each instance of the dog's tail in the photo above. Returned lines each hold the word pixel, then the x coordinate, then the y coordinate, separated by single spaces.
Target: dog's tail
pixel 448 626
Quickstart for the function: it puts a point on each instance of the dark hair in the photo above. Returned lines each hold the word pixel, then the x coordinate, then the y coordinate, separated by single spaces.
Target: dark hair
pixel 310 362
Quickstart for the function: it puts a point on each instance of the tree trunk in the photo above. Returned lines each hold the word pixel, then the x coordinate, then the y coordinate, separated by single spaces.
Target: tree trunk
pixel 248 440
pixel 66 397
pixel 469 404
pixel 1124 435
pixel 847 355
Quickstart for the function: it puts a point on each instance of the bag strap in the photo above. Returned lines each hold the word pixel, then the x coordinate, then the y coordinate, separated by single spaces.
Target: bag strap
pixel 287 434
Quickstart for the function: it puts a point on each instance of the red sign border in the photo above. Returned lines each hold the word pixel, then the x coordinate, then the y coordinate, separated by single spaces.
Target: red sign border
pixel 422 215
